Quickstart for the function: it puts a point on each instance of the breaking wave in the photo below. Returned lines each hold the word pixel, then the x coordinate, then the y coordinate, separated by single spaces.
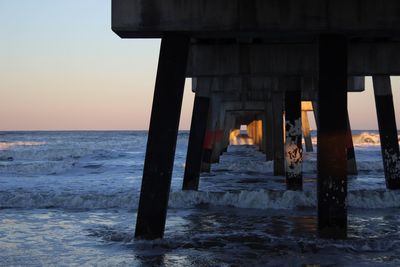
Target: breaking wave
pixel 8 145
pixel 363 139
pixel 261 199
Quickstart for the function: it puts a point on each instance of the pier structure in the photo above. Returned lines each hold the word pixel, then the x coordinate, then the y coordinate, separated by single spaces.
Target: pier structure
pixel 285 44
pixel 254 94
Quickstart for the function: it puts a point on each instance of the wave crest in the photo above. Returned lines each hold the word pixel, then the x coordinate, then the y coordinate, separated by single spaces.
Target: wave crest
pixel 261 199
pixel 8 145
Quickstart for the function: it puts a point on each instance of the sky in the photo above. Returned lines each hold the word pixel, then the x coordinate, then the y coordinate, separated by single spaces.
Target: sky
pixel 62 68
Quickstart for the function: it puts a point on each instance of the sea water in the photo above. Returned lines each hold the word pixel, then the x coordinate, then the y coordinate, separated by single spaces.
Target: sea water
pixel 70 199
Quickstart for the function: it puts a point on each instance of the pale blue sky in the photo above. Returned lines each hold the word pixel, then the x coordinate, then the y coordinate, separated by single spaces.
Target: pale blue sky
pixel 61 67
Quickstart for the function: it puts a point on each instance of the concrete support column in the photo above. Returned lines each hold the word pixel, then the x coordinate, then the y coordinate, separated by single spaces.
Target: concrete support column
pixel 218 117
pixel 387 130
pixel 305 124
pixel 293 146
pixel 250 131
pixel 161 144
pixel 331 156
pixel 229 124
pixel 208 140
pixel 233 136
pixel 279 158
pixel 259 133
pixel 263 134
pixel 255 131
pixel 315 112
pixel 268 129
pixel 196 141
pixel 351 155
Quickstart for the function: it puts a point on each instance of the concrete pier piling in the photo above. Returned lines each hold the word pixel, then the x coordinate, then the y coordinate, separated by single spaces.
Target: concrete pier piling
pixel 163 130
pixel 259 131
pixel 229 124
pixel 332 155
pixel 263 133
pixel 196 142
pixel 216 128
pixel 269 126
pixel 207 147
pixel 305 124
pixel 212 135
pixel 387 130
pixel 293 145
pixel 250 130
pixel 279 158
pixel 351 155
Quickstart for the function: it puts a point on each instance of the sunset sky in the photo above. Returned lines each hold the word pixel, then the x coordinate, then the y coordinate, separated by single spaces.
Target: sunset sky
pixel 62 68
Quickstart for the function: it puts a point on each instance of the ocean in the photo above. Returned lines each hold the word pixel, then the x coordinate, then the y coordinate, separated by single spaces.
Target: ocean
pixel 70 199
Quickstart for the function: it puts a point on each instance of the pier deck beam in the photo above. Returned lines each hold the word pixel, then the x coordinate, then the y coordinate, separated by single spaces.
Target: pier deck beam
pixel 279 158
pixel 387 130
pixel 161 144
pixel 293 145
pixel 331 155
pixel 196 140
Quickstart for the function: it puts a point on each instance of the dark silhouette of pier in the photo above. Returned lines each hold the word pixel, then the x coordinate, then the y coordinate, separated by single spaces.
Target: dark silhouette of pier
pixel 253 62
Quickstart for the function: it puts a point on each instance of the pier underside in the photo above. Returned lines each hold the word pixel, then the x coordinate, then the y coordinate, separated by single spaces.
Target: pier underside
pixel 254 63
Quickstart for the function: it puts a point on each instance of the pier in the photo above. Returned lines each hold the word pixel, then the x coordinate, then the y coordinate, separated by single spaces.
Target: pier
pixel 265 64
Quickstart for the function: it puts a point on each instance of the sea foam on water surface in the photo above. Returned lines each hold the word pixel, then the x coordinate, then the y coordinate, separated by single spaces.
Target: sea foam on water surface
pixel 8 145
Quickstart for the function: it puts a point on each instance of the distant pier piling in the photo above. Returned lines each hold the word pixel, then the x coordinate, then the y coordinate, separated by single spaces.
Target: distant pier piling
pixel 211 136
pixel 305 124
pixel 269 128
pixel 293 145
pixel 263 133
pixel 279 158
pixel 351 155
pixel 216 132
pixel 207 147
pixel 196 142
pixel 387 130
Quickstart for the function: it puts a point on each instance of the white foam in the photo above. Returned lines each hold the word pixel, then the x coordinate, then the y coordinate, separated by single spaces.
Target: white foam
pixel 364 139
pixel 8 145
pixel 66 200
pixel 261 199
